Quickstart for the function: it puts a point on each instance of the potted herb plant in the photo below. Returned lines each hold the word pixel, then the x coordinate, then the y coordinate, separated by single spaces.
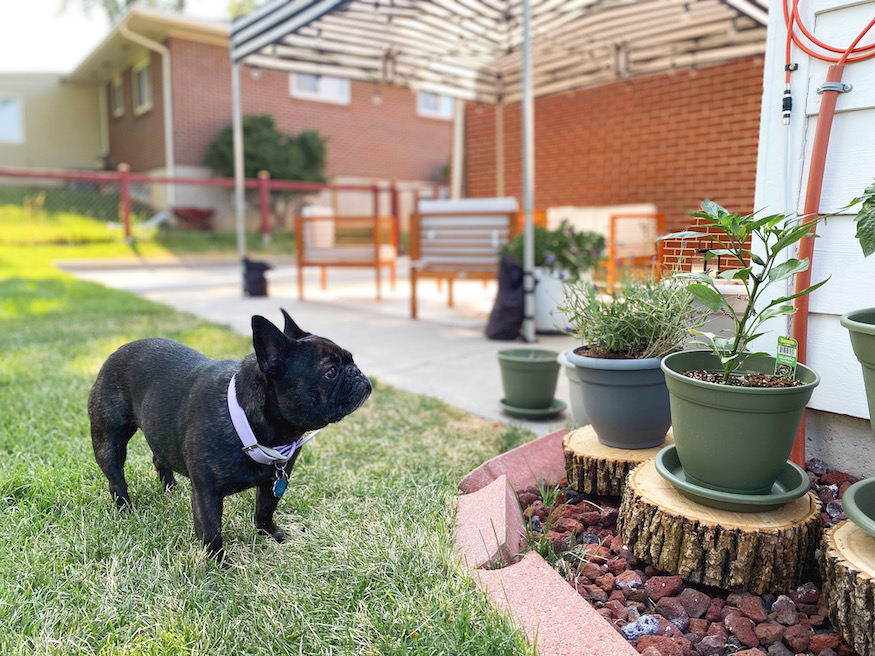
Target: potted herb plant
pixel 562 255
pixel 859 500
pixel 624 337
pixel 735 421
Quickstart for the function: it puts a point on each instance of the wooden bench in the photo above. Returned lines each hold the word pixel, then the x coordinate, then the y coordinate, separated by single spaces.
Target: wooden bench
pixel 345 241
pixel 450 242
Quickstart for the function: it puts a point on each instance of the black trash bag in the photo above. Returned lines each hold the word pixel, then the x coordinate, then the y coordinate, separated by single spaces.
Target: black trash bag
pixel 506 317
pixel 254 282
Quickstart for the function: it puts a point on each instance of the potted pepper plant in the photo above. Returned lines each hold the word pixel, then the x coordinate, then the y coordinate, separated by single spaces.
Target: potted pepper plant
pixel 562 255
pixel 734 420
pixel 625 335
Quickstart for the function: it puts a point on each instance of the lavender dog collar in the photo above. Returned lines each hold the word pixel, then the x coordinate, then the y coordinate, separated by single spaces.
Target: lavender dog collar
pixel 258 452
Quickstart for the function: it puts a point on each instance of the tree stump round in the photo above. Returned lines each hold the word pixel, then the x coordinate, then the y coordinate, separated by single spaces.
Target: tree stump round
pixel 759 552
pixel 593 468
pixel 847 565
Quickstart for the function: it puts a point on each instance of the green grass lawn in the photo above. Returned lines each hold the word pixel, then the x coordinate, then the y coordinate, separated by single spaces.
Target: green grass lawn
pixel 368 567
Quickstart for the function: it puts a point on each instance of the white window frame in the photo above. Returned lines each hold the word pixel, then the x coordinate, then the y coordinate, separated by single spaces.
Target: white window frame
pixel 117 96
pixel 445 111
pixel 142 68
pixel 17 136
pixel 324 92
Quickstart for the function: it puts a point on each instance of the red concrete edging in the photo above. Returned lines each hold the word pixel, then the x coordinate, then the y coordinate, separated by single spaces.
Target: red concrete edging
pixel 525 466
pixel 489 524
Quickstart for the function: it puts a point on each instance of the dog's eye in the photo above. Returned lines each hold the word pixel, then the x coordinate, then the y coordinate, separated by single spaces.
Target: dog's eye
pixel 331 373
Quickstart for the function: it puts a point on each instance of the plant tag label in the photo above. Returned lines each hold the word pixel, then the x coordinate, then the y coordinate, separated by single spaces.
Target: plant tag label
pixel 785 361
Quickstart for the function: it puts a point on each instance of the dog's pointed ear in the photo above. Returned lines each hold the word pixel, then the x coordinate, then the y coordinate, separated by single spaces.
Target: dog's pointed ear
pixel 291 330
pixel 270 347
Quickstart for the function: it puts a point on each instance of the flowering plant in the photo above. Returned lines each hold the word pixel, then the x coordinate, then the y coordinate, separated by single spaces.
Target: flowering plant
pixel 564 250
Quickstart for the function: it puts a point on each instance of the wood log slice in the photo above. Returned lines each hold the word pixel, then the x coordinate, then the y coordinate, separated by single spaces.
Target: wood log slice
pixel 593 468
pixel 847 565
pixel 759 552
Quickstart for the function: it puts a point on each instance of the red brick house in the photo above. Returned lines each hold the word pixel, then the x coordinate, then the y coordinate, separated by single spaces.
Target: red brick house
pixel 667 139
pixel 375 133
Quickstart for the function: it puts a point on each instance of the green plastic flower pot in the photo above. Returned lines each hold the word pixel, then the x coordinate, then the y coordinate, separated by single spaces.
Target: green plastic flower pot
pixel 858 503
pixel 733 439
pixel 529 377
pixel 861 325
pixel 626 401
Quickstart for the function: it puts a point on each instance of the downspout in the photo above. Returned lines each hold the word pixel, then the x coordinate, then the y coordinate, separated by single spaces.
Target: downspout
pixel 164 51
pixel 457 169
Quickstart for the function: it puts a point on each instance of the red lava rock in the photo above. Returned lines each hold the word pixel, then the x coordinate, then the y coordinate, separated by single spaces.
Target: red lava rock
pixel 651 651
pixel 536 508
pixel 784 611
pixel 753 608
pixel 711 645
pixel 591 571
pixel 673 610
pixel 595 593
pixel 779 649
pixel 590 518
pixel 797 638
pixel 667 628
pixel 835 477
pixel 821 641
pixel 559 541
pixel 616 544
pixel 658 587
pixel 769 633
pixel 816 620
pixel 567 525
pixel 756 651
pixel 719 630
pixel 698 625
pixel 617 609
pixel 807 593
pixel 665 646
pixel 742 628
pixel 617 566
pixel 843 488
pixel 526 499
pixel 714 614
pixel 605 582
pixel 617 595
pixel 695 603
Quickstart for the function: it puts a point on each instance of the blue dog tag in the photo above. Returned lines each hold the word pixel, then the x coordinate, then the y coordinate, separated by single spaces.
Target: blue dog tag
pixel 279 486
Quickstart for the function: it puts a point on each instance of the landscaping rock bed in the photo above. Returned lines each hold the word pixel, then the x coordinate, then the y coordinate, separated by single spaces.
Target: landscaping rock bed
pixel 661 615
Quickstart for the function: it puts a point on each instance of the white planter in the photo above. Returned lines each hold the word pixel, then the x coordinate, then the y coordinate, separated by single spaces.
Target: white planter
pixel 549 296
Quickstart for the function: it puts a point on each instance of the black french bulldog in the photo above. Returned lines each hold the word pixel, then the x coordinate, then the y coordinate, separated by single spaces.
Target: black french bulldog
pixel 294 382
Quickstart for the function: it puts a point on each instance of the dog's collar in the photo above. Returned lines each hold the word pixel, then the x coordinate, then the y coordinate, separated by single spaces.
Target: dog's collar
pixel 258 452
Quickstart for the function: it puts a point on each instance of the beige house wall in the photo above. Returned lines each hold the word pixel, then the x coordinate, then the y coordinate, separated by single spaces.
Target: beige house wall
pixel 61 122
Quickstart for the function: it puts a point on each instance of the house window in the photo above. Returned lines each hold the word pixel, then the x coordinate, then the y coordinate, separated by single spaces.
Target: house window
pixel 117 96
pixel 322 88
pixel 11 123
pixel 142 86
pixel 434 105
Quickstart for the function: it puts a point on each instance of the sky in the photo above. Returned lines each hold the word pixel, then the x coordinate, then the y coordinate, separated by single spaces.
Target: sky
pixel 37 37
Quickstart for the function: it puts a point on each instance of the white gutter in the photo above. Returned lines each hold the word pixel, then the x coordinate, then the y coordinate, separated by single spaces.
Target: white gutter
pixel 169 157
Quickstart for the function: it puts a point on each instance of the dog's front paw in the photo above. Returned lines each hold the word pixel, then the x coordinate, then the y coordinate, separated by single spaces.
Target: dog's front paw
pixel 273 531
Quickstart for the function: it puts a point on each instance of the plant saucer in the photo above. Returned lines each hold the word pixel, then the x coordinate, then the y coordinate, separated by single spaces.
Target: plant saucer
pixel 858 502
pixel 791 484
pixel 551 410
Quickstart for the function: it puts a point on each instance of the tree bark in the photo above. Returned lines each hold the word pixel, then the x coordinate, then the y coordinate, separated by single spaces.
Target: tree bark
pixel 759 552
pixel 847 566
pixel 593 468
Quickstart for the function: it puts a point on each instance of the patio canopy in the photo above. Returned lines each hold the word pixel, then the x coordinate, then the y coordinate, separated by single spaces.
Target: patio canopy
pixel 493 51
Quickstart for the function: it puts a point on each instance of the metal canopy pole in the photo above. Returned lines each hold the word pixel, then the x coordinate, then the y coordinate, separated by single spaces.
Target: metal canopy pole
pixel 528 120
pixel 239 190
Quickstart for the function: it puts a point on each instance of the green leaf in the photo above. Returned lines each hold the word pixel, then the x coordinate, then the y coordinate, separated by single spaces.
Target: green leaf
pixel 707 295
pixel 789 268
pixel 712 209
pixel 735 274
pixel 865 220
pixel 684 234
pixel 784 299
pixel 792 235
pixel 776 311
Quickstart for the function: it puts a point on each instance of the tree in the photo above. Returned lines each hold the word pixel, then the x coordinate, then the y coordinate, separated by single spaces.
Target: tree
pixel 285 156
pixel 115 9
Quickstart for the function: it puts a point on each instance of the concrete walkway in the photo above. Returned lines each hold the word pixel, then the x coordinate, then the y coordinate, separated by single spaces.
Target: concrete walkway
pixel 444 353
